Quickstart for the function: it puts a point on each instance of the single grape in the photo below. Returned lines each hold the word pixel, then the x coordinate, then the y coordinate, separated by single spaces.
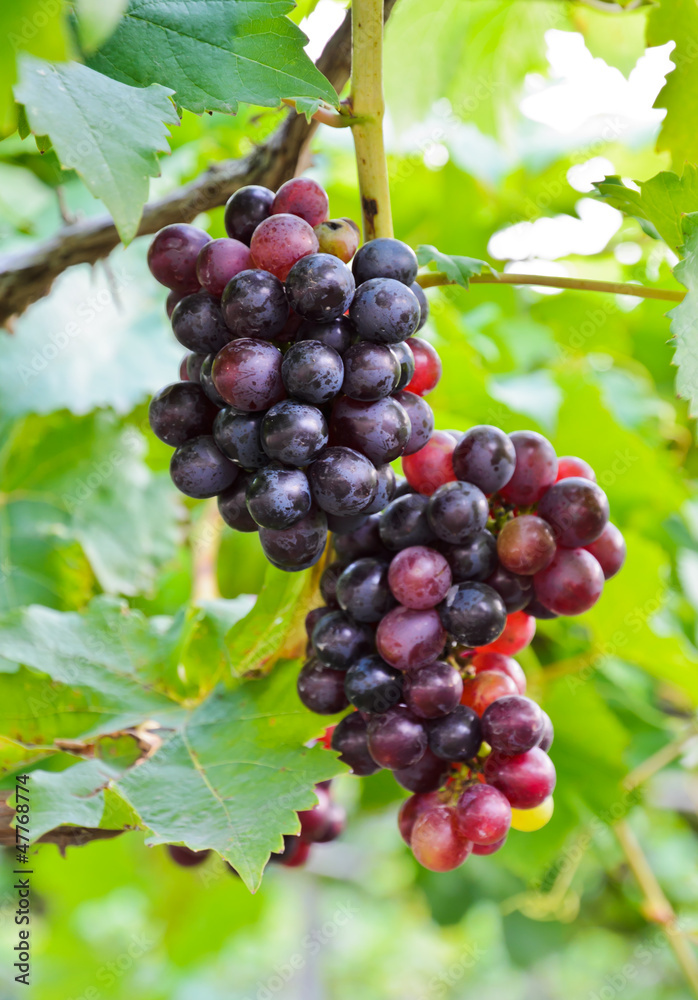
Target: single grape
pixel 371 371
pixel 336 822
pixel 432 465
pixel 238 437
pixel 428 774
pixel 548 734
pixel 473 613
pixel 535 471
pixel 337 334
pixel 197 323
pixel 364 541
pixel 219 261
pixel 200 470
pixel 405 359
pixel 254 304
pixel 320 287
pixel 313 617
pixel 421 420
pixel 483 814
pixel 512 724
pixel 525 545
pixel 475 559
pixel 504 664
pixel 396 739
pixel 294 854
pixel 457 512
pixel 384 311
pixel 385 492
pixel 277 497
pixel 408 639
pixel 482 849
pixel 314 821
pixel 427 367
pixel 434 690
pixel 530 820
pixel 340 237
pixel 436 843
pixel 180 411
pixel 363 591
pixel 194 363
pixel 339 641
pixel 404 523
pixel 516 591
pixel 321 689
pixel 538 610
pixel 380 429
pixel 419 577
pixel 328 583
pixel 281 240
pixel 293 433
pixel 350 740
pixel 232 505
pixel 481 691
pixel 608 550
pixel 457 736
pixel 172 256
pixel 172 299
pixel 297 547
pixel 247 374
pixel 411 809
pixel 576 510
pixel 385 258
pixel 185 857
pixel 571 584
pixel 343 481
pixel 423 303
pixel 517 634
pixel 569 466
pixel 303 197
pixel 526 779
pixel 345 525
pixel 372 686
pixel 312 372
pixel 245 209
pixel 486 457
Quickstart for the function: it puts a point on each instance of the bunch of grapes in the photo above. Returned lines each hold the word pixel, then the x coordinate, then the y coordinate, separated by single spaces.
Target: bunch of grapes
pixel 304 380
pixel 426 606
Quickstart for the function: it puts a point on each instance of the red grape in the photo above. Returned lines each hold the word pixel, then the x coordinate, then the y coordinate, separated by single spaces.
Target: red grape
pixel 219 261
pixel 526 544
pixel 518 632
pixel 504 664
pixel 314 821
pixel 427 775
pixel 279 241
pixel 433 690
pixel 350 740
pixel 419 577
pixel 172 256
pixel 185 857
pixel 536 469
pixel 484 849
pixel 435 841
pixel 408 639
pixel 609 550
pixel 483 815
pixel 526 779
pixel 480 691
pixel 303 197
pixel 396 739
pixel 427 367
pixel 577 511
pixel 410 811
pixel 420 414
pixel 247 374
pixel 513 724
pixel 571 584
pixel 432 465
pixel 570 465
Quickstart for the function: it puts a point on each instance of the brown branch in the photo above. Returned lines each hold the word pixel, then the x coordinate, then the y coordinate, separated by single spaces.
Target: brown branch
pixel 27 276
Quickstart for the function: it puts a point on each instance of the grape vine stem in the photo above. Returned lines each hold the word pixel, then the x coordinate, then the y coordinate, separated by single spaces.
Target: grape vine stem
pixel 555 281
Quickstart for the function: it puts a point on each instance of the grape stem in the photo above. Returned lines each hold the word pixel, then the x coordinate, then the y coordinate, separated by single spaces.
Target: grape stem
pixel 326 116
pixel 205 541
pixel 555 281
pixel 366 104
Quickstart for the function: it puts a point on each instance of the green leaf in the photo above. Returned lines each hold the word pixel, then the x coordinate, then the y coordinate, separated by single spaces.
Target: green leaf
pixel 659 204
pixel 458 269
pixel 684 318
pixel 677 21
pixel 307 106
pixel 74 797
pixel 214 55
pixel 96 21
pixel 108 132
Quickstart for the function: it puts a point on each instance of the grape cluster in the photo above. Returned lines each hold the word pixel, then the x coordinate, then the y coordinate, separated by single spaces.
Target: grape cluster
pixel 425 607
pixel 305 380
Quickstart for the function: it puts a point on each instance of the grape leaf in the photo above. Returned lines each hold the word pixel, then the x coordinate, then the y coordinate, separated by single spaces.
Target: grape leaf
pixel 684 318
pixel 108 132
pixel 74 797
pixel 659 204
pixel 96 20
pixel 457 269
pixel 214 54
pixel 677 21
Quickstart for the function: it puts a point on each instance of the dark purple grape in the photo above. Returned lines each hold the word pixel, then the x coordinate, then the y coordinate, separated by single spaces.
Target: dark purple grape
pixel 206 381
pixel 232 505
pixel 434 690
pixel 254 305
pixel 576 510
pixel 363 591
pixel 456 736
pixel 193 366
pixel 371 371
pixel 404 523
pixel 197 322
pixel 297 547
pixel 535 471
pixel 277 497
pixel 312 372
pixel 512 724
pixel 385 491
pixel 372 686
pixel 338 334
pixel 321 689
pixel 402 487
pixel 313 617
pixel 339 641
pixel 185 857
pixel 516 591
pixel 385 311
pixel 396 739
pixel 428 774
pixel 180 411
pixel 328 583
pixel 320 287
pixel 546 740
pixel 475 559
pixel 247 374
pixel 245 209
pixel 385 258
pixel 405 359
pixel 294 433
pixel 219 261
pixel 172 256
pixel 171 301
pixel 336 822
pixel 339 525
pixel 421 420
pixel 343 481
pixel 200 470
pixel 538 610
pixel 364 541
pixel 380 430
pixel 457 511
pixel 473 613
pixel 238 436
pixel 423 303
pixel 314 821
pixel 485 457
pixel 350 741
pixel 294 854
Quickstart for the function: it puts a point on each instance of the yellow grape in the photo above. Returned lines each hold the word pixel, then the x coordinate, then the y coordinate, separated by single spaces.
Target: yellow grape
pixel 528 820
